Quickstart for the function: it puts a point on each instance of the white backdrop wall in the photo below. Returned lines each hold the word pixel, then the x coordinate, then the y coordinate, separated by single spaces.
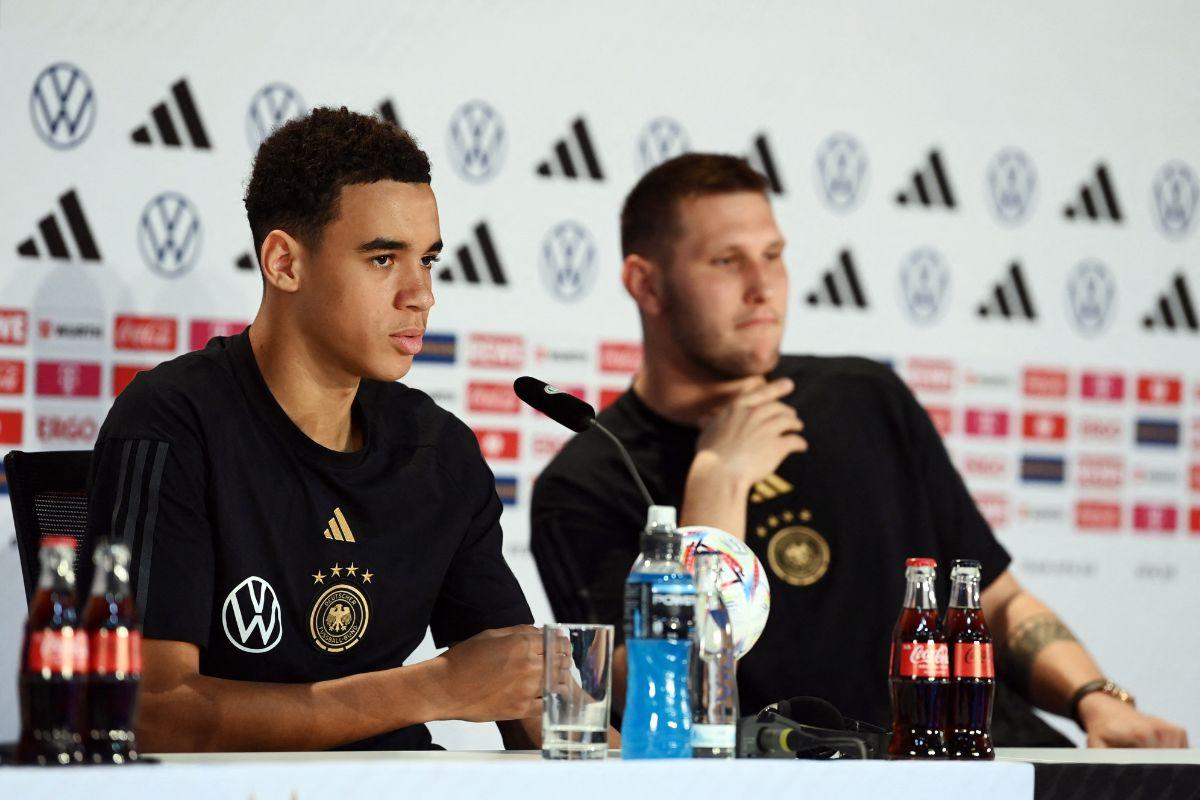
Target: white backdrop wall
pixel 1076 421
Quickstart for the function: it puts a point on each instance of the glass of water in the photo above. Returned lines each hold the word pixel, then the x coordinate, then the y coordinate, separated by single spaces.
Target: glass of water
pixel 577 691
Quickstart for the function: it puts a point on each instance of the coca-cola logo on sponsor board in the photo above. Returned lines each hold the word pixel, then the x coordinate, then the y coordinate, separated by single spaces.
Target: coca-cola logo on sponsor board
pixel 994 508
pixel 621 357
pixel 14 326
pixel 490 397
pixel 1047 383
pixel 1100 471
pixel 496 351
pixel 1091 515
pixel 145 333
pixel 546 446
pixel 933 375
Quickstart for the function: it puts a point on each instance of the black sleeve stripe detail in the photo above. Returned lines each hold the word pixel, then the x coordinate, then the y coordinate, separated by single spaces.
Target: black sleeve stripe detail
pixel 147 549
pixel 135 494
pixel 125 450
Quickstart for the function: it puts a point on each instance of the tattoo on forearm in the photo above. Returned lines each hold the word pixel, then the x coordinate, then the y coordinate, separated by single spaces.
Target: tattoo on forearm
pixel 1031 636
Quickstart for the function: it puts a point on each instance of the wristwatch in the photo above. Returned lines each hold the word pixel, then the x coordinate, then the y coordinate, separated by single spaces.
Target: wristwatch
pixel 1105 685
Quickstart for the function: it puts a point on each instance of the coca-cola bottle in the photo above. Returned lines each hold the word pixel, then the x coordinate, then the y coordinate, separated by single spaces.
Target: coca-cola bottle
pixel 54 662
pixel 115 645
pixel 973 682
pixel 919 673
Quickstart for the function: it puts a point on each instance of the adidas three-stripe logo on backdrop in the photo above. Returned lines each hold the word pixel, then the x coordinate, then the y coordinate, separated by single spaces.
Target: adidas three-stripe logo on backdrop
pixel 162 125
pixel 67 242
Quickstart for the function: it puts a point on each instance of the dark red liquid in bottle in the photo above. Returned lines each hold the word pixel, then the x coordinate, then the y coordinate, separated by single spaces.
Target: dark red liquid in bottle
pixel 919 672
pixel 973 683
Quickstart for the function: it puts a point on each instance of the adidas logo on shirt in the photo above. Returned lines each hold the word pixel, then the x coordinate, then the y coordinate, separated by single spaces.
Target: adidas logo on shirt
pixel 339 529
pixel 467 270
pixel 930 185
pixel 163 121
pixel 1010 298
pixel 82 244
pixel 574 156
pixel 839 286
pixel 769 488
pixel 1097 199
pixel 1174 309
pixel 763 161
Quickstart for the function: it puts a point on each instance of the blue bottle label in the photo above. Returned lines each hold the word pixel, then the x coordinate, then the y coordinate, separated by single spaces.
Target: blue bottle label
pixel 659 611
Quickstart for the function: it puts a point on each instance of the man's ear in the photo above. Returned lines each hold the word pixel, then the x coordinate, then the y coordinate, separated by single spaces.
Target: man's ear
pixel 282 258
pixel 643 280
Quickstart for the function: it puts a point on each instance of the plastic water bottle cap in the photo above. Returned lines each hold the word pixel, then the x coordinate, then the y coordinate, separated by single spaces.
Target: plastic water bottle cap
pixel 660 516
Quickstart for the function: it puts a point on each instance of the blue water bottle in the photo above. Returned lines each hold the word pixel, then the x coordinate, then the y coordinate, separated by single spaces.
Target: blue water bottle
pixel 660 599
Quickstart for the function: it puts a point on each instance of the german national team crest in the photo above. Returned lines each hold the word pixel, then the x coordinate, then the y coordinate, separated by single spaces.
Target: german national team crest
pixel 339 618
pixel 799 555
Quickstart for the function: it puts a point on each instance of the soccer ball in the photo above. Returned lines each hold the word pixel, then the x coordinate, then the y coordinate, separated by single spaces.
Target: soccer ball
pixel 742 582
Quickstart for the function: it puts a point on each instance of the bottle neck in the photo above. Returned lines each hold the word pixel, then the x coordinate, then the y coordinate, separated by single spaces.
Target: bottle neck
pixel 919 593
pixel 661 544
pixel 964 592
pixel 57 569
pixel 111 578
pixel 708 570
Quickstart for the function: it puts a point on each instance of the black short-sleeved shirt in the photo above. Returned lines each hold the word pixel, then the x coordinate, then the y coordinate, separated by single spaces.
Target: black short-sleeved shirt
pixel 832 526
pixel 285 561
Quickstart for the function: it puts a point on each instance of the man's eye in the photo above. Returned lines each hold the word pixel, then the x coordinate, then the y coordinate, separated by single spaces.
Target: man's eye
pixel 724 261
pixel 428 261
pixel 383 261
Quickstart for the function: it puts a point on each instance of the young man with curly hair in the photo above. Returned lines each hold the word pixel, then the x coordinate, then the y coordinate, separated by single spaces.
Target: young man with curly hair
pixel 299 519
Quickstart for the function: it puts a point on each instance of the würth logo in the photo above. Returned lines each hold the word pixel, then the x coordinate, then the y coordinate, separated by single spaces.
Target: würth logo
pixel 339 529
pixel 930 185
pixel 82 244
pixel 1010 298
pixel 468 269
pixel 761 158
pixel 62 105
pixel 1097 199
pixel 839 286
pixel 1174 310
pixel 162 121
pixel 574 156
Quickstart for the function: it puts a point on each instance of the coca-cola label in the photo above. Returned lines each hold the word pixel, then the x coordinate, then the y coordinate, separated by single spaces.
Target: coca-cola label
pixel 973 660
pixel 145 333
pixel 116 652
pixel 924 660
pixel 58 652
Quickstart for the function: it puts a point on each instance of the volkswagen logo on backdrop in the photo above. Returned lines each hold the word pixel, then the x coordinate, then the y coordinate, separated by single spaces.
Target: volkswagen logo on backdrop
pixel 661 140
pixel 169 235
pixel 568 262
pixel 1011 181
pixel 841 171
pixel 251 616
pixel 924 285
pixel 62 105
pixel 271 106
pixel 476 141
pixel 1176 193
pixel 1091 296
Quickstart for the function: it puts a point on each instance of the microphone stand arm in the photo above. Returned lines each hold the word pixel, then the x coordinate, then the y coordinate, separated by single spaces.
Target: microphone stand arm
pixel 628 461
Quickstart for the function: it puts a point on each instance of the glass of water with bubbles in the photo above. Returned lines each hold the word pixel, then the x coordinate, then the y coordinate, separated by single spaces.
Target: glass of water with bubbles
pixel 578 690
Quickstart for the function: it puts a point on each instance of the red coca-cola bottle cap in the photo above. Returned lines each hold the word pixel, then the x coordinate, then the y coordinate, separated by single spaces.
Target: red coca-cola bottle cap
pixel 57 541
pixel 921 562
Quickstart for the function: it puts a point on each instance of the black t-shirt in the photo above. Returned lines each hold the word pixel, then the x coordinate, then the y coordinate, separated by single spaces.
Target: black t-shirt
pixel 832 527
pixel 288 562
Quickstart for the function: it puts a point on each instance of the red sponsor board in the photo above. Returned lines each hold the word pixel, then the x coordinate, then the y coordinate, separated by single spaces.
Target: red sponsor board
pixel 123 374
pixel 622 357
pixel 145 333
pixel 12 377
pixel 1195 481
pixel 1159 389
pixel 1048 383
pixel 496 444
pixel 1096 516
pixel 496 350
pixel 11 423
pixel 1194 524
pixel 942 418
pixel 930 375
pixel 1101 471
pixel 1155 518
pixel 1101 429
pixel 1196 435
pixel 609 396
pixel 201 330
pixel 1109 386
pixel 984 465
pixel 492 397
pixel 993 507
pixel 1044 426
pixel 68 428
pixel 14 326
pixel 67 379
pixel 984 422
pixel 546 446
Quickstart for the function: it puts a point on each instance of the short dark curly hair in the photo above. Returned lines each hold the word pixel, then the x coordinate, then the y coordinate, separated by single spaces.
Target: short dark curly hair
pixel 650 217
pixel 300 169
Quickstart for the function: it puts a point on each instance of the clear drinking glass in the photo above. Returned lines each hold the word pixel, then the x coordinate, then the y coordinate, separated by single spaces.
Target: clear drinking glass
pixel 578 688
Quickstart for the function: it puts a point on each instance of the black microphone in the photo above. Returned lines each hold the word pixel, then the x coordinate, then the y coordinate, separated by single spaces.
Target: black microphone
pixel 571 412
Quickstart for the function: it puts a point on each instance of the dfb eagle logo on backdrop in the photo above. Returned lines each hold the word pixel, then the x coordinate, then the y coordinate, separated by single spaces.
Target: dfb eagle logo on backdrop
pixel 841 171
pixel 169 235
pixel 1012 181
pixel 272 106
pixel 477 141
pixel 1091 296
pixel 661 140
pixel 62 105
pixel 1176 195
pixel 568 263
pixel 924 285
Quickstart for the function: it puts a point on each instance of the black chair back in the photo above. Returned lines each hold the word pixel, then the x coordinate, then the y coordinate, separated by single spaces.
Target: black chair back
pixel 49 497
